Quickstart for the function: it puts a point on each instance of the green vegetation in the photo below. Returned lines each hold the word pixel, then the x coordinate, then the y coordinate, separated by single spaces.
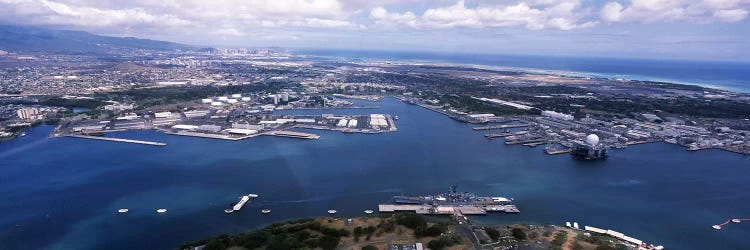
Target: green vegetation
pixel 63 102
pixel 577 246
pixel 300 234
pixel 148 97
pixel 369 247
pixel 493 233
pixel 560 238
pixel 518 233
pixel 418 223
pixel 444 241
pixel 359 231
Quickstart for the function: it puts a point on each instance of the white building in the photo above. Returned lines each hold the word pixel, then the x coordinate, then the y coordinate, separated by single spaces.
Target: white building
pixel 285 97
pixel 557 115
pixel 166 114
pixel 27 113
pixel 118 107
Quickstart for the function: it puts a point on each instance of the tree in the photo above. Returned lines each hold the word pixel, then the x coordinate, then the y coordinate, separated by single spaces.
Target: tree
pixel 433 231
pixel 518 233
pixel 411 220
pixel 577 246
pixel 369 247
pixel 328 242
pixel 215 244
pixel 493 233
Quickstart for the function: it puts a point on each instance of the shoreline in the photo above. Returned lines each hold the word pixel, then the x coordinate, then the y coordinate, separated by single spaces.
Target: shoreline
pixel 547 71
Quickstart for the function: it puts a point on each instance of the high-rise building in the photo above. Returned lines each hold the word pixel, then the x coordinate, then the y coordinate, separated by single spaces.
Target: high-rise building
pixel 27 113
pixel 285 97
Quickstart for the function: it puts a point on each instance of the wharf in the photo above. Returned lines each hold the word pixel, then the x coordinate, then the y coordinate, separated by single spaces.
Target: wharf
pixel 493 136
pixel 502 126
pixel 211 136
pixel 534 144
pixel 557 151
pixel 525 141
pixel 118 140
pixel 292 134
pixel 446 209
pixel 640 142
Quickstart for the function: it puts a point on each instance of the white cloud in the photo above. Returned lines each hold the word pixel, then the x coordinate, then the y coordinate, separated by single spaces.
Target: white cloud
pixel 50 12
pixel 693 11
pixel 731 16
pixel 549 14
pixel 230 32
pixel 235 16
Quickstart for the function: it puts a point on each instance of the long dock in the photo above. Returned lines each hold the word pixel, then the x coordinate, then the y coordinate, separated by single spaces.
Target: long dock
pixel 493 136
pixel 292 134
pixel 210 136
pixel 502 126
pixel 557 151
pixel 118 140
pixel 525 141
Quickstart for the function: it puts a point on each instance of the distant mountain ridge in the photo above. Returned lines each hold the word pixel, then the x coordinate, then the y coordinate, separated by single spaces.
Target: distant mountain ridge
pixel 25 39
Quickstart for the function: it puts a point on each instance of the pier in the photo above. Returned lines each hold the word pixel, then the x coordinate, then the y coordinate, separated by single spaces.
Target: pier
pixel 505 126
pixel 550 151
pixel 640 142
pixel 446 209
pixel 118 140
pixel 493 136
pixel 292 134
pixel 526 141
pixel 211 136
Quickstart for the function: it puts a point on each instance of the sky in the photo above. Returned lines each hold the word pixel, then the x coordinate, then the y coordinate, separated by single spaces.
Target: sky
pixel 717 30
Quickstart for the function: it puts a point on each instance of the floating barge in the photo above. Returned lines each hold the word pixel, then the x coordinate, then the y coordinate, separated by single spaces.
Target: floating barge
pixel 449 203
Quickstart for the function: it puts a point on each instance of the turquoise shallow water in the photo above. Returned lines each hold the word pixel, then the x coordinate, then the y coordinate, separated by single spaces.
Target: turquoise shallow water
pixel 63 193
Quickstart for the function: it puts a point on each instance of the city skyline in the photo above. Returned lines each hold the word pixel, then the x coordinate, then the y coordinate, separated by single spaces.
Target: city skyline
pixel 712 30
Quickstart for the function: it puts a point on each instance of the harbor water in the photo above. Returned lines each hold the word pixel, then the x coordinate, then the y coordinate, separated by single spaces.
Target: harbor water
pixel 64 193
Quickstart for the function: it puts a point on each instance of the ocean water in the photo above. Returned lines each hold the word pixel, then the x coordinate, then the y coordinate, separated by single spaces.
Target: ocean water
pixel 63 193
pixel 733 76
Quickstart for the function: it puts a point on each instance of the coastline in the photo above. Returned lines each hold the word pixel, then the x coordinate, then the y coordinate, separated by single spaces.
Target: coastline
pixel 450 60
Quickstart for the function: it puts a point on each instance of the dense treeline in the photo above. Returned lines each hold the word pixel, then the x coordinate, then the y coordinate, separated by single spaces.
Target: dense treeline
pixel 301 234
pixel 148 97
pixel 311 234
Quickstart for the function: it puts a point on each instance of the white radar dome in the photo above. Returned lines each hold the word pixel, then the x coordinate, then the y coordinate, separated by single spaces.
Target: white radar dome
pixel 592 139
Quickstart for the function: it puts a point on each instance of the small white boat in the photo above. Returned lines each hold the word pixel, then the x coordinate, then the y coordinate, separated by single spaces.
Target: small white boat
pixel 265 211
pixel 161 210
pixel 228 210
pixel 736 220
pixel 368 211
pixel 717 227
pixel 122 210
pixel 332 211
pixel 252 195
pixel 23 134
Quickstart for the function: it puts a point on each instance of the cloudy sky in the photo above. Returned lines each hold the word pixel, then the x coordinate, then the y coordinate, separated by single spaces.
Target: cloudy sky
pixel 668 29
